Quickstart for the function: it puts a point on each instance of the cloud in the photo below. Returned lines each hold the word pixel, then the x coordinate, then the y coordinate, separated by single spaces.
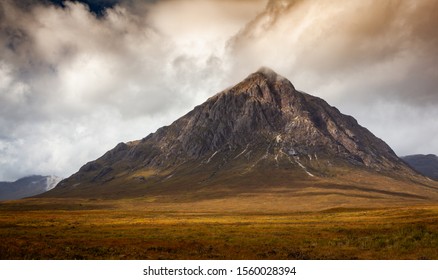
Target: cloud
pixel 78 77
pixel 73 84
pixel 336 37
pixel 369 58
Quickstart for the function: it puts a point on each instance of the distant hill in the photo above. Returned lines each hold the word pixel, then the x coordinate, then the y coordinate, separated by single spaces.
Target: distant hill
pixel 425 164
pixel 27 186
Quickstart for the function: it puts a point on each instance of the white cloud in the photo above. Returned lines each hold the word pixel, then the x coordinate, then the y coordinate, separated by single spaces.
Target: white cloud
pixel 73 85
pixel 375 60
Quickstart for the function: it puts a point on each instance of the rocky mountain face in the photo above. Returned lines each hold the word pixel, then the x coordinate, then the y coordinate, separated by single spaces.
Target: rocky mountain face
pixel 424 164
pixel 27 186
pixel 261 132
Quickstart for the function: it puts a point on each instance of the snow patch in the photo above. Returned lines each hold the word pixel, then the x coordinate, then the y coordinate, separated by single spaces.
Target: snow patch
pixel 168 177
pixel 265 156
pixel 303 167
pixel 208 160
pixel 242 152
pixel 267 151
pixel 297 161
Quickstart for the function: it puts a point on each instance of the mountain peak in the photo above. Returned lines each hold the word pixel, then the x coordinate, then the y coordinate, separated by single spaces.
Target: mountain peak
pixel 266 70
pixel 270 74
pixel 262 125
pixel 266 86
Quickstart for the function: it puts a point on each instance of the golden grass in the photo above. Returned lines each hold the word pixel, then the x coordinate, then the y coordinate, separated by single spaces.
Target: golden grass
pixel 135 229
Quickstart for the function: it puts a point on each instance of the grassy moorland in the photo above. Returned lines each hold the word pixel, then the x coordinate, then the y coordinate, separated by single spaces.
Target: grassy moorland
pixel 138 229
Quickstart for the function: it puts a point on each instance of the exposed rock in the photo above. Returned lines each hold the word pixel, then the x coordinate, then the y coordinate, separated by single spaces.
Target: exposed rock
pixel 262 121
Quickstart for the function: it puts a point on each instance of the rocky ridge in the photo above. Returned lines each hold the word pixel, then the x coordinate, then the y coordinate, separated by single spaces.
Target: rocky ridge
pixel 262 123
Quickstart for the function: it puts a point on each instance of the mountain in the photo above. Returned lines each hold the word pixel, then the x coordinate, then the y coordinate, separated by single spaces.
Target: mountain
pixel 259 137
pixel 424 164
pixel 27 186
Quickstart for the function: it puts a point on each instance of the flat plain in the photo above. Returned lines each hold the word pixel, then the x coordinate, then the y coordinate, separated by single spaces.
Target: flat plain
pixel 141 229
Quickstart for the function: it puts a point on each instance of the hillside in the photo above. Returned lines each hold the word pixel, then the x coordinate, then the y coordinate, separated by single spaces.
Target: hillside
pixel 261 137
pixel 424 164
pixel 27 186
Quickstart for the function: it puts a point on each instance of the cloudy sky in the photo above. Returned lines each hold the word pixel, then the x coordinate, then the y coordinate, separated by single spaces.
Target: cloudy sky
pixel 76 78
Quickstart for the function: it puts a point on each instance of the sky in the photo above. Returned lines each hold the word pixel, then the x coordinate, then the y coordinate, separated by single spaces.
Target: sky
pixel 78 77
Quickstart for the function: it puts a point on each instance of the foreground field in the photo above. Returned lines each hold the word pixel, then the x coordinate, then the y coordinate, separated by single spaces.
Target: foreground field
pixel 106 230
